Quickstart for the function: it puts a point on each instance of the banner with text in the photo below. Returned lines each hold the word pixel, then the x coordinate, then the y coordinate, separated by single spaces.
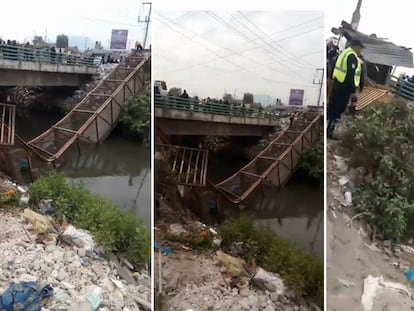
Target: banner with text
pixel 296 97
pixel 119 39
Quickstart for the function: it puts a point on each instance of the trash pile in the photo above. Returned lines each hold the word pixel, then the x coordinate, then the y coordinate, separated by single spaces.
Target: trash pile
pixel 378 294
pixel 222 282
pixel 50 266
pixel 198 282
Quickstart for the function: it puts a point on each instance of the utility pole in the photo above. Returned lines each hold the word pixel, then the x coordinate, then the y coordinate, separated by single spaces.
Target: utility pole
pixel 356 16
pixel 319 82
pixel 147 20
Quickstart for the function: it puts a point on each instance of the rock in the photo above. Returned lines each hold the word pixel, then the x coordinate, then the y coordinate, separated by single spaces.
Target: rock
pixel 27 278
pixel 269 308
pixel 177 229
pixel 61 275
pixel 80 306
pixel 126 275
pixel 82 252
pixel 268 281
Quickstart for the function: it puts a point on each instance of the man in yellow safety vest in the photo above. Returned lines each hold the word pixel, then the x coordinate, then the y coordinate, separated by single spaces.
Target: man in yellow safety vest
pixel 347 77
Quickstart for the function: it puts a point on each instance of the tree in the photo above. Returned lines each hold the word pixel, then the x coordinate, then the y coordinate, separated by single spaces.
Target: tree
pixel 62 42
pixel 248 98
pixel 175 91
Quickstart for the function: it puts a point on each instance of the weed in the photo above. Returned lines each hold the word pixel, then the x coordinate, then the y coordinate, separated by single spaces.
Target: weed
pixel 301 272
pixel 112 228
pixel 382 142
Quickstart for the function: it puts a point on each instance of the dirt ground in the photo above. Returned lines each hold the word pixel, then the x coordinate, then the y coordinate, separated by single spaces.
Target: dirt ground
pixel 350 259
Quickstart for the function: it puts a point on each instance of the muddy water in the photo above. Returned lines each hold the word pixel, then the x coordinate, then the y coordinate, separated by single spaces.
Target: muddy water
pixel 118 170
pixel 294 212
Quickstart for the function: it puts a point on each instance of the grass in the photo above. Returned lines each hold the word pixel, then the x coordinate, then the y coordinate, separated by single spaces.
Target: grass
pixel 301 272
pixel 117 231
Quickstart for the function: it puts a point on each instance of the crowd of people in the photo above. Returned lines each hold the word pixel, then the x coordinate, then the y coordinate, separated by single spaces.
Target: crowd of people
pixel 14 50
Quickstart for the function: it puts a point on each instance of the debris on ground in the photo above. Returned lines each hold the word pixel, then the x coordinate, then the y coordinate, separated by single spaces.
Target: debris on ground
pixel 352 255
pixel 375 287
pixel 79 282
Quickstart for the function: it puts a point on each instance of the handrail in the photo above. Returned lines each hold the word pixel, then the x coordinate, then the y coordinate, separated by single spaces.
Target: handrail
pixel 24 54
pixel 197 106
pixel 402 88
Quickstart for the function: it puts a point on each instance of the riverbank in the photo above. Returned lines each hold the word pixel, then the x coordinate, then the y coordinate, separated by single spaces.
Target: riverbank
pixel 52 252
pixel 352 257
pixel 369 229
pixel 205 269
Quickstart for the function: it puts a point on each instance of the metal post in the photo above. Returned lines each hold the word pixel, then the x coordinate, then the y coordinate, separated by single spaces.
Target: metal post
pixel 147 21
pixel 320 82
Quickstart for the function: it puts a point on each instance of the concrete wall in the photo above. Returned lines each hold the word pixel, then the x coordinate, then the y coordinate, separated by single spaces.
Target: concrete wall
pixel 35 66
pixel 178 122
pixel 33 78
pixel 14 73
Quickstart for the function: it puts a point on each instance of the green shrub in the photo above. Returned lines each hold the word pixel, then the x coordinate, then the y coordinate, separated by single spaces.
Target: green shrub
pixel 301 272
pixel 112 228
pixel 312 163
pixel 382 142
pixel 135 120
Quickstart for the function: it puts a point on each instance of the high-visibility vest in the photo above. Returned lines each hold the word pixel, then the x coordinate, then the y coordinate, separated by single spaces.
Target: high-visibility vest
pixel 341 67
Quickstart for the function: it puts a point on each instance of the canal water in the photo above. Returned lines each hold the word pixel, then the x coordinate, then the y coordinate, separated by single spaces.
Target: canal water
pixel 294 212
pixel 118 170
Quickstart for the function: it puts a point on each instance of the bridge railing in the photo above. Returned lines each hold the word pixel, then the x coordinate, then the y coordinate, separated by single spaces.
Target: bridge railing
pixel 402 88
pixel 193 105
pixel 23 54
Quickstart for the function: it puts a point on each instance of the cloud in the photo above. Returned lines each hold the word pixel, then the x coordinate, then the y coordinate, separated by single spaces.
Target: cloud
pixel 210 52
pixel 21 19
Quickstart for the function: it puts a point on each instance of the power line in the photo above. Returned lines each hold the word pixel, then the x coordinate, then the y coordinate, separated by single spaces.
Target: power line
pixel 234 53
pixel 247 39
pixel 285 64
pixel 251 59
pixel 107 21
pixel 280 48
pixel 220 56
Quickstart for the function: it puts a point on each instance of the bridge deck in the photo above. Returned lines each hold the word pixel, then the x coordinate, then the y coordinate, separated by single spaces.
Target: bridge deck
pixel 278 161
pixel 96 115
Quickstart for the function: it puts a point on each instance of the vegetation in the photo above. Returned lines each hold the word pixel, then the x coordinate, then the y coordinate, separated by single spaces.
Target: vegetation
pixel 381 141
pixel 117 231
pixel 135 121
pixel 301 272
pixel 312 163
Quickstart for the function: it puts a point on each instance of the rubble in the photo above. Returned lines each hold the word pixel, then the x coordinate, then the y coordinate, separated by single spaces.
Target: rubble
pixel 199 283
pixel 79 281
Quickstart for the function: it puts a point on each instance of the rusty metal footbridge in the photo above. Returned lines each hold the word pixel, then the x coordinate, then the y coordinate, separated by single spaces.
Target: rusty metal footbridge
pixel 274 165
pixel 94 117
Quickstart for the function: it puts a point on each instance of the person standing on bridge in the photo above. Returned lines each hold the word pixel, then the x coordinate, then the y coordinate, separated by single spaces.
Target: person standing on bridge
pixel 346 80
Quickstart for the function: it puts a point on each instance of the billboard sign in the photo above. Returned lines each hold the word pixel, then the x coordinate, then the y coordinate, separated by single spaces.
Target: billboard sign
pixel 119 39
pixel 296 97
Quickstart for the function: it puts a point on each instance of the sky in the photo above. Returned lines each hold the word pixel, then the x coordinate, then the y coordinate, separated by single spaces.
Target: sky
pixel 22 19
pixel 384 18
pixel 209 53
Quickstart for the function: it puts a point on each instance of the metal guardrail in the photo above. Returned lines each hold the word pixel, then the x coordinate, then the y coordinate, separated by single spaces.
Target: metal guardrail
pixel 7 124
pixel 189 165
pixel 23 54
pixel 193 105
pixel 402 88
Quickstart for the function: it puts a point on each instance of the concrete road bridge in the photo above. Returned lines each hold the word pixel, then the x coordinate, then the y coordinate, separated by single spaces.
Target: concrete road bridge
pixel 20 66
pixel 178 116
